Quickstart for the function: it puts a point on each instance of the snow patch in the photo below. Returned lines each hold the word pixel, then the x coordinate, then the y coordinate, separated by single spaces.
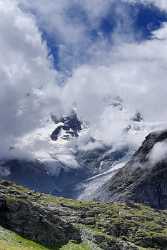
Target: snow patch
pixel 91 185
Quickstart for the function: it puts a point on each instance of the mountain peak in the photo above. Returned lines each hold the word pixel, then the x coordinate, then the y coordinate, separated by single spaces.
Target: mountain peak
pixel 140 180
pixel 67 126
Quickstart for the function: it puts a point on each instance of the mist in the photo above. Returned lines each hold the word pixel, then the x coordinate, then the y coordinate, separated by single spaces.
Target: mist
pixel 90 74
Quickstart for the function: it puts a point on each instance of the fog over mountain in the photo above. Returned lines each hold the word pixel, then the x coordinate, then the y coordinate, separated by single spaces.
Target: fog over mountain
pixel 104 59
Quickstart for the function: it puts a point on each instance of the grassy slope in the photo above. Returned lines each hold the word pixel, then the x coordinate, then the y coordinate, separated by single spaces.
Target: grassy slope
pixel 141 225
pixel 72 246
pixel 12 241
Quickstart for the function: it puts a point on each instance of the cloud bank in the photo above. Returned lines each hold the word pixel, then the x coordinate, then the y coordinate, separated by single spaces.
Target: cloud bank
pixel 158 153
pixel 100 62
pixel 27 87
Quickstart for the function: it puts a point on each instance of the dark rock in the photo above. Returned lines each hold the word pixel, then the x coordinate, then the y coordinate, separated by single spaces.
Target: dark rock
pixel 70 124
pixel 36 223
pixel 141 180
pixel 137 117
pixel 55 135
pixel 3 206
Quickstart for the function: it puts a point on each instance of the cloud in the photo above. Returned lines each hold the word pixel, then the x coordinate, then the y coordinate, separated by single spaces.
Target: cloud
pixel 27 88
pixel 74 30
pixel 162 4
pixel 135 72
pixel 158 153
pixel 102 71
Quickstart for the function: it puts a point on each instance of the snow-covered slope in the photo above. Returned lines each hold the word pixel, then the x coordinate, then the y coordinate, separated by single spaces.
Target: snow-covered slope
pixel 62 157
pixel 87 189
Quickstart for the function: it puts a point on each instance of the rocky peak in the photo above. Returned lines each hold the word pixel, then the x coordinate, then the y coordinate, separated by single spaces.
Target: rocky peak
pixel 140 180
pixel 69 125
pixel 149 143
pixel 137 117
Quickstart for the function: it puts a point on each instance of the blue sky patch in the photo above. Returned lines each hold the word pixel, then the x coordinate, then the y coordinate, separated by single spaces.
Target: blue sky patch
pixel 135 21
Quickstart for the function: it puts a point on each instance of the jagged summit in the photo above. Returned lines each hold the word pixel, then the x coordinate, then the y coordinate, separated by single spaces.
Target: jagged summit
pixel 138 117
pixel 68 126
pixel 142 179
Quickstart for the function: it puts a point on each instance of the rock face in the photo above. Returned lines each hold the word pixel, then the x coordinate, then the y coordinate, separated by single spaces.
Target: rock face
pixel 100 160
pixel 70 125
pixel 33 221
pixel 53 222
pixel 141 180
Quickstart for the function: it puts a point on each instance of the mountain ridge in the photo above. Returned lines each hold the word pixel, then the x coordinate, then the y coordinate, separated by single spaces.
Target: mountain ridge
pixel 141 180
pixel 55 222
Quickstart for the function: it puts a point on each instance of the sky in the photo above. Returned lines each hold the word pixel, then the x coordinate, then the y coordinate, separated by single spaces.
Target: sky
pixel 84 53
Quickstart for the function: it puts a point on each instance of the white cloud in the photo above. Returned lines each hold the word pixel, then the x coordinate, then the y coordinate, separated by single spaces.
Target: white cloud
pixel 134 71
pixel 27 88
pixel 65 24
pixel 52 17
pixel 158 153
